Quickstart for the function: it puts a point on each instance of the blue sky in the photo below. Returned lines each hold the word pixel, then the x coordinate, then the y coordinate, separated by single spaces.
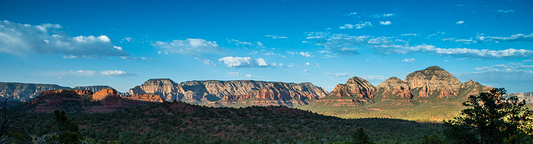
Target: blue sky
pixel 124 43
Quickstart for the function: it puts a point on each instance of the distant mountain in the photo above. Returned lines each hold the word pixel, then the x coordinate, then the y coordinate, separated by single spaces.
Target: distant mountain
pixel 75 101
pixel 432 93
pixel 528 97
pixel 23 92
pixel 228 93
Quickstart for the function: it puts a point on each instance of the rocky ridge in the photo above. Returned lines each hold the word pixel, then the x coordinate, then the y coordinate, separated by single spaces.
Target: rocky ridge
pixel 432 82
pixel 85 101
pixel 528 97
pixel 23 92
pixel 228 92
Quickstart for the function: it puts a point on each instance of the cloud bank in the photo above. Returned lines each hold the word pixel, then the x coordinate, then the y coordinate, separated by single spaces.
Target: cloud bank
pixel 188 46
pixel 19 39
pixel 245 62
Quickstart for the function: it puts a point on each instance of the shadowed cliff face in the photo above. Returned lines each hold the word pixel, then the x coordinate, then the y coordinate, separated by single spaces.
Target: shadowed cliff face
pixel 23 92
pixel 84 101
pixel 239 90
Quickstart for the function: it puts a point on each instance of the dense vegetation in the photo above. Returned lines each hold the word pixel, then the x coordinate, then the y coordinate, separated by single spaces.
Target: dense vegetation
pixel 177 122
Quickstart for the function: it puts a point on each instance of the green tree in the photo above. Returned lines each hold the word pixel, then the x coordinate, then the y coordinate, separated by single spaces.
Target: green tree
pixel 490 119
pixel 360 137
pixel 67 131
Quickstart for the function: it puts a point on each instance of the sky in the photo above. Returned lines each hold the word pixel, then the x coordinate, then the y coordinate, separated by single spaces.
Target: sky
pixel 124 43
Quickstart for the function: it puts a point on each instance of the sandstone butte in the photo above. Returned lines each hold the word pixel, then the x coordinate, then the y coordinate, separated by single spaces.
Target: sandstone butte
pixel 432 82
pixel 107 100
pixel 231 91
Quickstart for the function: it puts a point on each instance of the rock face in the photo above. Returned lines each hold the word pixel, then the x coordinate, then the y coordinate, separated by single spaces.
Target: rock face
pixel 144 97
pixel 394 88
pixel 84 101
pixel 215 91
pixel 528 97
pixel 92 88
pixel 355 87
pixel 434 81
pixel 23 92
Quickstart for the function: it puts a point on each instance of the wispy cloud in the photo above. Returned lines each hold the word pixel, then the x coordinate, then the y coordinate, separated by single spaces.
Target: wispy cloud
pixel 410 34
pixel 342 44
pixel 188 47
pixel 206 61
pixel 234 73
pixel 370 14
pixel 277 37
pixel 19 39
pixel 409 60
pixel 505 11
pixel 356 26
pixel 90 73
pixel 245 62
pixel 373 77
pixel 512 38
pixel 338 74
pixel 385 22
pixel 307 54
pixel 457 52
pixel 459 22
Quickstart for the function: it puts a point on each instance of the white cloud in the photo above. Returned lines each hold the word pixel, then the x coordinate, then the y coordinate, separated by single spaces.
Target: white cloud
pixel 457 52
pixel 206 61
pixel 410 34
pixel 244 62
pixel 125 57
pixel 250 76
pixel 385 22
pixel 370 14
pixel 277 37
pixel 459 22
pixel 307 64
pixel 374 77
pixel 409 60
pixel 188 47
pixel 512 76
pixel 234 73
pixel 116 73
pixel 342 44
pixel 512 38
pixel 19 39
pixel 305 70
pixel 356 26
pixel 90 73
pixel 306 54
pixel 382 15
pixel 505 11
pixel 338 74
pixel 129 39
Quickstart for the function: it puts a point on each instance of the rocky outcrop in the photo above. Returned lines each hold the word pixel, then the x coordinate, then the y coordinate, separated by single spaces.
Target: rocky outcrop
pixel 355 87
pixel 92 88
pixel 166 88
pixel 434 81
pixel 102 94
pixel 215 91
pixel 394 88
pixel 528 97
pixel 24 92
pixel 144 97
pixel 85 101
